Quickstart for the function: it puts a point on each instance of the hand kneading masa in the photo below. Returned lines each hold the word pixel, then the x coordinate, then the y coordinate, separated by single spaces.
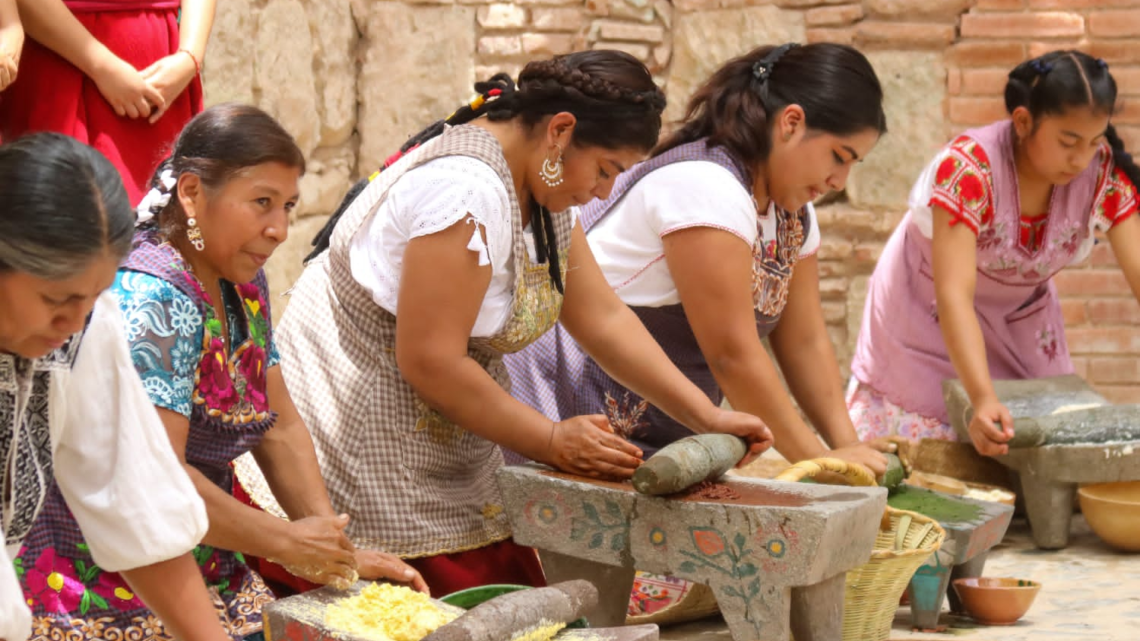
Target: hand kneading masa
pixel 691 460
pixel 521 615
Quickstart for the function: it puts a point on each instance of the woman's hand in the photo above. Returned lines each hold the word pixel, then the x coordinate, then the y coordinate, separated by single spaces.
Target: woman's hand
pixel 746 426
pixel 869 455
pixel 11 45
pixel 587 446
pixel 373 564
pixel 991 428
pixel 316 549
pixel 125 89
pixel 170 76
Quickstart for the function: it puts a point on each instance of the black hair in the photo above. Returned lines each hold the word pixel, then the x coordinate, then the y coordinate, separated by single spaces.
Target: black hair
pixel 1061 80
pixel 610 93
pixel 834 84
pixel 217 144
pixel 63 205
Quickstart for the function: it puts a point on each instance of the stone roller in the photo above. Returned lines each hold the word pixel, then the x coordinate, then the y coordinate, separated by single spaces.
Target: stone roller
pixel 515 615
pixel 1085 425
pixel 706 457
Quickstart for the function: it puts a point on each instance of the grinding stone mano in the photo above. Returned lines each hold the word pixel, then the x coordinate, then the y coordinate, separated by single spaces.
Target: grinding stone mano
pixel 513 613
pixel 691 460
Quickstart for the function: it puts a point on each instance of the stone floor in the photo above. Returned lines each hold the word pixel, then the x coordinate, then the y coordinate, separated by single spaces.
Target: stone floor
pixel 1088 592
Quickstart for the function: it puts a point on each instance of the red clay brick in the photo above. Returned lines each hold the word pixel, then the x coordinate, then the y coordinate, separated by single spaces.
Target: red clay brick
pixel 904 35
pixel 1081 367
pixel 1102 255
pixel 1123 394
pixel 1074 312
pixel 834 16
pixel 1042 48
pixel 1091 282
pixel 1115 370
pixel 1103 340
pixel 1115 24
pixel 976 111
pixel 1114 311
pixel 984 82
pixel 1119 51
pixel 954 81
pixel 986 54
pixel 1048 24
pixel 999 5
pixel 833 287
pixel 1127 78
pixel 1082 4
pixel 1131 137
pixel 843 36
pixel 1128 113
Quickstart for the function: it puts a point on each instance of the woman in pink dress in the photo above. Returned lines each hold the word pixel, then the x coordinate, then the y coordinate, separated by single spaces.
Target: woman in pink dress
pixel 964 287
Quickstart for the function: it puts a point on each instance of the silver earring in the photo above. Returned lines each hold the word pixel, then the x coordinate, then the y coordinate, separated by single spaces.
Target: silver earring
pixel 194 234
pixel 552 170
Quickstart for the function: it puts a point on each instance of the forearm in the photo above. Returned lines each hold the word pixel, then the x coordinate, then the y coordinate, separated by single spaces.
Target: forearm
pixel 53 25
pixel 289 462
pixel 810 369
pixel 235 526
pixel 616 339
pixel 10 18
pixel 461 390
pixel 194 26
pixel 751 383
pixel 965 345
pixel 175 590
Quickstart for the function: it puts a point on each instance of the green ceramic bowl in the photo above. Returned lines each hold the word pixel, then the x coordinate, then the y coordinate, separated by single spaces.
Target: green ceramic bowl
pixel 472 597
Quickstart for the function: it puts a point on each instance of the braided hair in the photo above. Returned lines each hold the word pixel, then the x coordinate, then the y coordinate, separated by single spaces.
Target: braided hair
pixel 610 93
pixel 1059 80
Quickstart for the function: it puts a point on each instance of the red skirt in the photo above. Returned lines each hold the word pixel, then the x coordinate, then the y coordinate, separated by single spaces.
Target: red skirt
pixel 502 562
pixel 51 94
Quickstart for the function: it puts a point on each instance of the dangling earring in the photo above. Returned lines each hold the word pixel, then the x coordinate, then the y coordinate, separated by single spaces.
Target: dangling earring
pixel 552 171
pixel 194 234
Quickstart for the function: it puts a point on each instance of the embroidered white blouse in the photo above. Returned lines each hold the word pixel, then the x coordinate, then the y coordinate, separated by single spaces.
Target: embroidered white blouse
pixel 111 459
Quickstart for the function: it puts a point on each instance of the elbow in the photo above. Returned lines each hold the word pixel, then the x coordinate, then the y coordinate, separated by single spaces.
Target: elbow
pixel 424 369
pixel 727 358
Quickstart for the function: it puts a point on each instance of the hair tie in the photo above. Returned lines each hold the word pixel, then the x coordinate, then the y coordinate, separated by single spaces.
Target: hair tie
pixel 1101 63
pixel 762 69
pixel 1041 67
pixel 157 198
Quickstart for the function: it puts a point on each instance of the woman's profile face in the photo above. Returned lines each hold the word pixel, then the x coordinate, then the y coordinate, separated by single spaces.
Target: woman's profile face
pixel 39 315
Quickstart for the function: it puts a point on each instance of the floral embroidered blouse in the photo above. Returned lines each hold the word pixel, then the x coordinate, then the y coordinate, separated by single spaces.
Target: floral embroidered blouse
pixel 176 345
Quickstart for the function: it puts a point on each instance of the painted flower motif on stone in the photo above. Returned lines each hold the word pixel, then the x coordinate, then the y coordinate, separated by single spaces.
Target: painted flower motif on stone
pixel 547 510
pixel 708 541
pixel 657 537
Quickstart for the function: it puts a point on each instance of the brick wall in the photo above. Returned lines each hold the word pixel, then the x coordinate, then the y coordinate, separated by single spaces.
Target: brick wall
pixel 942 62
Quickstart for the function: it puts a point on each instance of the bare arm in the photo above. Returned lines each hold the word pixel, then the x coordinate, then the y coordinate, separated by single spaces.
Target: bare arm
pixel 434 322
pixel 53 25
pixel 955 280
pixel 1125 240
pixel 314 547
pixel 170 75
pixel 194 25
pixel 175 591
pixel 803 348
pixel 609 331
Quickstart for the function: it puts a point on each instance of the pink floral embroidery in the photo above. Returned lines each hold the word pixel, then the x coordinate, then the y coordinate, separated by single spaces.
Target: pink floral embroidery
pixel 116 592
pixel 51 582
pixel 1047 342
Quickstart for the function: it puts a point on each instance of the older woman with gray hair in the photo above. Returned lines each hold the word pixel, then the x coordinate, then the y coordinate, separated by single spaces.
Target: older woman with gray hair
pixel 74 417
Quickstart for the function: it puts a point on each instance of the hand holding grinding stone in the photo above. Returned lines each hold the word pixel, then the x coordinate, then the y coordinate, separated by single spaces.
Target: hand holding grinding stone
pixel 514 614
pixel 691 460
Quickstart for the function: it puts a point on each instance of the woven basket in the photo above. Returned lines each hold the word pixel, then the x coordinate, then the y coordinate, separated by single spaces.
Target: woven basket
pixel 905 541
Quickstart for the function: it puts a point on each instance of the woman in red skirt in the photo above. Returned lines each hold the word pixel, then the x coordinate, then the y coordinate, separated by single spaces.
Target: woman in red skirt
pixel 119 75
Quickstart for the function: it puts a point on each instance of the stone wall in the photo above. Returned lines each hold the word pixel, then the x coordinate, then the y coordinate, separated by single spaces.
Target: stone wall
pixel 353 78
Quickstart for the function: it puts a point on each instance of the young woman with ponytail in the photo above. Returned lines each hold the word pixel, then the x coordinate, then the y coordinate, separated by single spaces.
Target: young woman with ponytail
pixel 463 249
pixel 964 287
pixel 712 243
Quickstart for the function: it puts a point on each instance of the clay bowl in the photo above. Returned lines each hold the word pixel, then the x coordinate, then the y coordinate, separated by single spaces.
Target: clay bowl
pixel 996 601
pixel 1113 512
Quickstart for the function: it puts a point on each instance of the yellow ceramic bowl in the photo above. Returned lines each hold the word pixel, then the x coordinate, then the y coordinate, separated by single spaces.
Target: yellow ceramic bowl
pixel 994 601
pixel 1113 512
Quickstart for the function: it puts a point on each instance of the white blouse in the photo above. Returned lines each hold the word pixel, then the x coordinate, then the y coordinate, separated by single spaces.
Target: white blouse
pixel 113 463
pixel 427 200
pixel 627 242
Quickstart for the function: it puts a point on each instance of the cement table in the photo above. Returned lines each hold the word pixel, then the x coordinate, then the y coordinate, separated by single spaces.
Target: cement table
pixel 302 618
pixel 963 554
pixel 1049 474
pixel 776 555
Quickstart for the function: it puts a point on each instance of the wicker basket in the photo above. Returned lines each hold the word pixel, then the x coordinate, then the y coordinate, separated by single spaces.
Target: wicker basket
pixel 905 541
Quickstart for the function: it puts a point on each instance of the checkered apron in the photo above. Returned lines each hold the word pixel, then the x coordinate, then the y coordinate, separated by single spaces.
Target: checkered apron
pixel 556 377
pixel 414 483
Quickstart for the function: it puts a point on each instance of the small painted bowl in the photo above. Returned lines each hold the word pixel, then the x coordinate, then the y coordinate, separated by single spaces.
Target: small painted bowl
pixel 996 601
